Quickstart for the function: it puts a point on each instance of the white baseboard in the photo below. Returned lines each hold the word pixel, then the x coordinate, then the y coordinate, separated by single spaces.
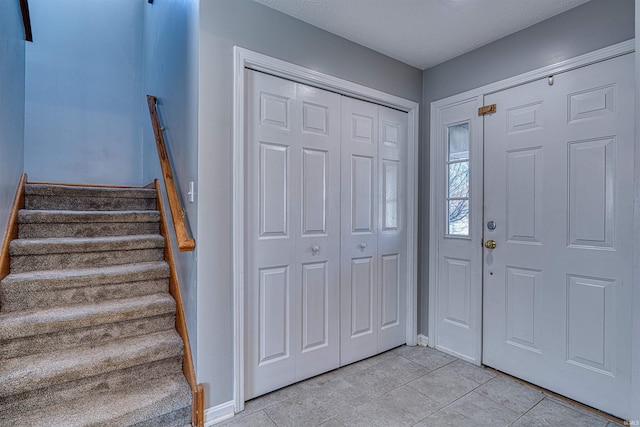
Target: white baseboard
pixel 219 413
pixel 423 340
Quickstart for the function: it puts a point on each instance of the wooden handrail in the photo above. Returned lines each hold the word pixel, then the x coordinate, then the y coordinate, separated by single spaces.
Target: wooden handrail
pixel 12 227
pixel 185 243
pixel 197 390
pixel 26 20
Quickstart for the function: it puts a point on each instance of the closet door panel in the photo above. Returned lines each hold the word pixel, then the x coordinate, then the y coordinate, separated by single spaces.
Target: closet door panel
pixel 318 249
pixel 271 226
pixel 359 251
pixel 392 240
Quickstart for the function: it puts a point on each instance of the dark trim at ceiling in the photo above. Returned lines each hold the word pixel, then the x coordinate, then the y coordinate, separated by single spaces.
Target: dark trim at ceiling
pixel 26 20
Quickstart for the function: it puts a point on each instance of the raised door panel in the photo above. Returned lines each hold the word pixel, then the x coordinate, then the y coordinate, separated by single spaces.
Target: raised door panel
pixel 592 175
pixel 274 315
pixel 390 295
pixel 362 292
pixel 274 165
pixel 524 196
pixel 362 191
pixel 315 306
pixel 315 177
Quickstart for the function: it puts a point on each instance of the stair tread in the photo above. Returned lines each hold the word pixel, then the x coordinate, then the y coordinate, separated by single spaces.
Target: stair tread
pixel 87 191
pixel 36 322
pixel 84 244
pixel 137 403
pixel 35 216
pixel 130 272
pixel 21 374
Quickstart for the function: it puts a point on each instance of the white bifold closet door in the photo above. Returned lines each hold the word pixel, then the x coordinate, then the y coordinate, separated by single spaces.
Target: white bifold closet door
pixel 293 240
pixel 374 140
pixel 325 231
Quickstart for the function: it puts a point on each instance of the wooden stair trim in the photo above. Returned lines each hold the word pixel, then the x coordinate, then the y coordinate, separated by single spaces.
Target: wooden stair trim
pixel 12 227
pixel 26 20
pixel 185 243
pixel 197 390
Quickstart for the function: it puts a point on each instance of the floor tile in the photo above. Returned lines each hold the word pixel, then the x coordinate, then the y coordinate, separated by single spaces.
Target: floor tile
pixel 475 373
pixel 316 406
pixel 412 386
pixel 427 357
pixel 385 376
pixel 269 399
pixel 472 410
pixel 401 407
pixel 450 382
pixel 549 412
pixel 511 394
pixel 256 419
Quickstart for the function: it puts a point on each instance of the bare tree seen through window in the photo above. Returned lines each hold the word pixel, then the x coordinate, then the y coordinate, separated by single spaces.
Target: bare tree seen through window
pixel 458 180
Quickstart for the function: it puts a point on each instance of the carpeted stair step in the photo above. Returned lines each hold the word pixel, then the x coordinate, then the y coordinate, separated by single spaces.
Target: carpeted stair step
pixel 67 197
pixel 36 400
pixel 61 369
pixel 29 332
pixel 164 402
pixel 37 224
pixel 66 252
pixel 56 288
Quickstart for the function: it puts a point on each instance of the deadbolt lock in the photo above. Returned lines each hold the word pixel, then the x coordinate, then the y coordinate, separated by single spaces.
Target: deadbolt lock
pixel 490 244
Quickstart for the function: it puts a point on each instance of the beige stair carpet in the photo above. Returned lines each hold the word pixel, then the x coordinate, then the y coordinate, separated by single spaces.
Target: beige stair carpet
pixel 87 324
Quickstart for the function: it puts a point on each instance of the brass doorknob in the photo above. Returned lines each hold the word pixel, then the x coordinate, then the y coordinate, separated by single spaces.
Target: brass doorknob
pixel 490 244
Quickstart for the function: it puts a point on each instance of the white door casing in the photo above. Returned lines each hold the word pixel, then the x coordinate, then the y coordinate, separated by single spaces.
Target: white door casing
pixel 558 184
pixel 245 59
pixel 293 153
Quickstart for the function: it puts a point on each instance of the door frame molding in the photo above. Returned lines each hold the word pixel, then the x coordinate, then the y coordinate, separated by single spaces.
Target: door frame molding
pixel 436 168
pixel 246 59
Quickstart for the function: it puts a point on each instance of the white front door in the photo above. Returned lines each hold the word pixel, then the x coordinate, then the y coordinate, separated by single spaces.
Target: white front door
pixel 558 184
pixel 293 244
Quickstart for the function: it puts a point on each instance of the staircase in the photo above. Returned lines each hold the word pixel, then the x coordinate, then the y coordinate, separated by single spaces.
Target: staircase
pixel 87 324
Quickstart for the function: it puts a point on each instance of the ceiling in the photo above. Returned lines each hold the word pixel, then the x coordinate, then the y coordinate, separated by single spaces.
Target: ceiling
pixel 422 33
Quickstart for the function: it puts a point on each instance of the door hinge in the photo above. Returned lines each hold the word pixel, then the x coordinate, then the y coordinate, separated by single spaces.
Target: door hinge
pixel 487 109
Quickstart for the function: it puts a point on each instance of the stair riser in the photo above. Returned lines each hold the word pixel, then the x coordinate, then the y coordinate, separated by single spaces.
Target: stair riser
pixel 37 399
pixel 100 229
pixel 27 263
pixel 30 297
pixel 74 203
pixel 94 334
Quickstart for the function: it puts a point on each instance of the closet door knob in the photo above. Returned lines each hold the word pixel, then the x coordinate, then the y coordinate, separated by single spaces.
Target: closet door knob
pixel 315 249
pixel 362 246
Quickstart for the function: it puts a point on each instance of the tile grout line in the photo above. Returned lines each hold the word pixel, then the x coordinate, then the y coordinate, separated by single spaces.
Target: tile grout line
pixel 529 410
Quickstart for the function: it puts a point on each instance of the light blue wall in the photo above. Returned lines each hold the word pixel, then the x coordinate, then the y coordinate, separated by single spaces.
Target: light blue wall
pixel 591 26
pixel 12 60
pixel 171 73
pixel 223 24
pixel 83 86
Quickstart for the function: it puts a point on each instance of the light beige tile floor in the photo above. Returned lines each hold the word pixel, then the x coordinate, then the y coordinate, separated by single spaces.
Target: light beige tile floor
pixel 412 386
